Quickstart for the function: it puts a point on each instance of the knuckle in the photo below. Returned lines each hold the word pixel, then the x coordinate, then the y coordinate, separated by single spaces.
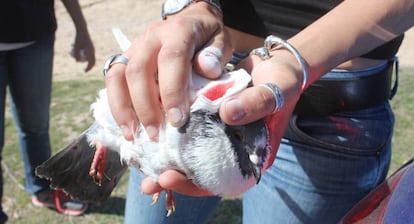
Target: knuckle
pixel 170 94
pixel 265 101
pixel 152 29
pixel 133 68
pixel 170 52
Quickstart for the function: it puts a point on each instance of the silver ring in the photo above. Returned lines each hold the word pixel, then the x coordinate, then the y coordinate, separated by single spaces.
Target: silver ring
pixel 116 58
pixel 278 95
pixel 272 41
pixel 262 52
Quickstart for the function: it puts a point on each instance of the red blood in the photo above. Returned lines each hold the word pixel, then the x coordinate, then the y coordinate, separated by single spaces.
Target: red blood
pixel 218 90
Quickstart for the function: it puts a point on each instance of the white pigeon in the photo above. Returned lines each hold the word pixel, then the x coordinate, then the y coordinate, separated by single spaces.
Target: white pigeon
pixel 222 159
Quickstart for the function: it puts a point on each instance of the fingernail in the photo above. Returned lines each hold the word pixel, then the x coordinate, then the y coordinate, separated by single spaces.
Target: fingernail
pixel 234 107
pixel 152 132
pixel 210 58
pixel 126 132
pixel 175 116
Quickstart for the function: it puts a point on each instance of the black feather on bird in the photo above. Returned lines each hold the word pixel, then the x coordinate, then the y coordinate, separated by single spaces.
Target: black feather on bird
pixel 69 170
pixel 224 160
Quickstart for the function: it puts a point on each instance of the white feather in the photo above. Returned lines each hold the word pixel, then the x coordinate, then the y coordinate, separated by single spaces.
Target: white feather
pixel 220 174
pixel 155 157
pixel 121 39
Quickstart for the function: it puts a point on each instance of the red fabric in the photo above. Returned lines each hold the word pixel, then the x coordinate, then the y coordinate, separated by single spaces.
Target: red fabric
pixel 218 90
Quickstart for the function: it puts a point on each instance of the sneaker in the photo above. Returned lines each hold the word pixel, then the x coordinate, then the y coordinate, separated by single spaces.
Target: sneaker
pixel 60 201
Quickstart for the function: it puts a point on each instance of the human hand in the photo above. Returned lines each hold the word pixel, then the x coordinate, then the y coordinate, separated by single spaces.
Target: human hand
pixel 281 69
pixel 253 103
pixel 83 50
pixel 173 180
pixel 160 62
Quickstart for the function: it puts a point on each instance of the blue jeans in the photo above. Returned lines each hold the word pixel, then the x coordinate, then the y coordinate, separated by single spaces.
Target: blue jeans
pixel 328 165
pixel 28 74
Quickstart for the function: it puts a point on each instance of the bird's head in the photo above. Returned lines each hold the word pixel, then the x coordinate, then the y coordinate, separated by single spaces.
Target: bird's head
pixel 246 147
pixel 228 151
pixel 251 145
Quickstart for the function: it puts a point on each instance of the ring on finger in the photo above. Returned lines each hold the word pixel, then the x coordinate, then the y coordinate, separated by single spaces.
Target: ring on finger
pixel 262 52
pixel 277 94
pixel 114 59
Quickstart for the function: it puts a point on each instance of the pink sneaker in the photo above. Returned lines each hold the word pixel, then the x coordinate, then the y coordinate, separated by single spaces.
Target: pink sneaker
pixel 60 201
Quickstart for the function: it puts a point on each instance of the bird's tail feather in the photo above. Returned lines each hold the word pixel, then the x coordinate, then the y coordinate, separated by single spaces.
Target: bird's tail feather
pixel 69 170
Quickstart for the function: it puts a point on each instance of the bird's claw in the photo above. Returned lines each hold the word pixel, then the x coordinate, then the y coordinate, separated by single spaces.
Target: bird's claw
pixel 155 198
pixel 99 162
pixel 170 202
pixel 169 198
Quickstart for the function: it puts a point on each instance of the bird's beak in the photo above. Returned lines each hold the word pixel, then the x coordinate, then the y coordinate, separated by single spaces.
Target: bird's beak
pixel 257 173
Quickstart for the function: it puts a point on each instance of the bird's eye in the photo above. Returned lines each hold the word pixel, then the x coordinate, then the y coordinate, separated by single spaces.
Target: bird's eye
pixel 239 135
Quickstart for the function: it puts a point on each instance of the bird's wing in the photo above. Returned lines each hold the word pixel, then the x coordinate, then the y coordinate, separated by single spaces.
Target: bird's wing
pixel 69 170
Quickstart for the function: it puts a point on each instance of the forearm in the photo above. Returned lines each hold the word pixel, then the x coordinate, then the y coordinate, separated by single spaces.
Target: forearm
pixel 75 12
pixel 351 29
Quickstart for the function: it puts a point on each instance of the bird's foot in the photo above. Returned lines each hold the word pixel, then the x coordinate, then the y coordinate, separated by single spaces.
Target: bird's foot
pixel 155 198
pixel 170 202
pixel 98 164
pixel 169 198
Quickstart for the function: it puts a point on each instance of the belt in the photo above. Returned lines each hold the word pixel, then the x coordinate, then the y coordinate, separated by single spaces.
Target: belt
pixel 326 96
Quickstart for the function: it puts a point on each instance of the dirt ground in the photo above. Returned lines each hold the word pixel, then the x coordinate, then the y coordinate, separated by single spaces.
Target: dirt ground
pixel 131 16
pixel 101 15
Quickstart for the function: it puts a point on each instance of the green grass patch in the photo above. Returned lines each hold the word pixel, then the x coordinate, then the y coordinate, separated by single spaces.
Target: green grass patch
pixel 403 105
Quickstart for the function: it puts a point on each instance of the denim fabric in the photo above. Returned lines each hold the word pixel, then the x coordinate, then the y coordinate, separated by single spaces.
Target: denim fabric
pixel 325 166
pixel 139 208
pixel 27 72
pixel 318 179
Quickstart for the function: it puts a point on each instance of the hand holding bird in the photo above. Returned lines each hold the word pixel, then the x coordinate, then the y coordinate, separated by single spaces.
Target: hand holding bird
pixel 225 160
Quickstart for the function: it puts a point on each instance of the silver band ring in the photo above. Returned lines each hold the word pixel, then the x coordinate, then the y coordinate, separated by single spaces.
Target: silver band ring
pixel 262 52
pixel 114 59
pixel 278 95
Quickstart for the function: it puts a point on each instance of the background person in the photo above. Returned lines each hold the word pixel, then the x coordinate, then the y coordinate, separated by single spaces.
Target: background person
pixel 26 61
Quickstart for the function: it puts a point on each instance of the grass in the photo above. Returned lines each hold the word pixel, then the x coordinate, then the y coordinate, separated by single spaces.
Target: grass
pixel 70 116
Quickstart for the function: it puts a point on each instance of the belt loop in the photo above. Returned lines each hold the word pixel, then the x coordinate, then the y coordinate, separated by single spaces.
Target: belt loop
pixel 394 89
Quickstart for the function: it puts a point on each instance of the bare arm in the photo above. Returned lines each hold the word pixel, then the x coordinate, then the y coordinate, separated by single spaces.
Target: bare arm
pixel 352 29
pixel 83 48
pixel 347 31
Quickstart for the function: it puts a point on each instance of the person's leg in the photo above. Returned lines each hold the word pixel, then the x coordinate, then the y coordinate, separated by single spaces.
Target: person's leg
pixel 324 165
pixel 3 85
pixel 30 77
pixel 329 166
pixel 312 187
pixel 189 210
pixel 30 83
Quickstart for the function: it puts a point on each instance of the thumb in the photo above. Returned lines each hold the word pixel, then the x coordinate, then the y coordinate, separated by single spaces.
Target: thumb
pixel 250 105
pixel 211 59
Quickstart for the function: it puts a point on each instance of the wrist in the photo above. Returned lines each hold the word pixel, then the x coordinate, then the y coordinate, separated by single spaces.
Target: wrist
pixel 290 72
pixel 274 43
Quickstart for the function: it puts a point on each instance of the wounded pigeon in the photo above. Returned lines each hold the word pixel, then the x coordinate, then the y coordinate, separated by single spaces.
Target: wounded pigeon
pixel 225 160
